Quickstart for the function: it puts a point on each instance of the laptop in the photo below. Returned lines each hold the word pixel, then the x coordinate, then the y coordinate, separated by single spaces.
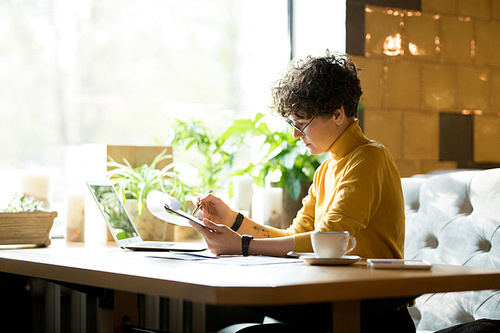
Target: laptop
pixel 121 226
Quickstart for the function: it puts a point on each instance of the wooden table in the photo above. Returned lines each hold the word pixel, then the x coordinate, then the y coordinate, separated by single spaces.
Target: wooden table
pixel 130 273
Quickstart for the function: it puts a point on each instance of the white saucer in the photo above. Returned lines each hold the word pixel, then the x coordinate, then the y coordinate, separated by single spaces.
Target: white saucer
pixel 345 260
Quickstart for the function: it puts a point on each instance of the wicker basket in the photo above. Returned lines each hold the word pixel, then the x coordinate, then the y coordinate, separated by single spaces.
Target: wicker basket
pixel 26 228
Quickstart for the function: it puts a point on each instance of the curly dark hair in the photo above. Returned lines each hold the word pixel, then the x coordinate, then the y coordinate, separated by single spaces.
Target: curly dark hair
pixel 318 86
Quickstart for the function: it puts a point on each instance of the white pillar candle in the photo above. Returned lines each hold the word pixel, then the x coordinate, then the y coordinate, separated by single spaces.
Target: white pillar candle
pixel 75 216
pixel 258 204
pixel 273 206
pixel 96 228
pixel 39 186
pixel 243 192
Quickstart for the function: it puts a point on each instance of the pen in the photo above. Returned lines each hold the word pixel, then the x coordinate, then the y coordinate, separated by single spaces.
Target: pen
pixel 200 204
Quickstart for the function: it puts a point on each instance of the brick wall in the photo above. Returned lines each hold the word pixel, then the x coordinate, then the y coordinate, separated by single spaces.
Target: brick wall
pixel 431 83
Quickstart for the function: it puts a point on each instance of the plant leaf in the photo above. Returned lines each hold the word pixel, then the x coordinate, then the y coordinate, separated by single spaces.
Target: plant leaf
pixel 293 187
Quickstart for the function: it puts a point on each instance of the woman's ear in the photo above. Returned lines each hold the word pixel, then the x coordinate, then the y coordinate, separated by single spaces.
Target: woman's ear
pixel 339 115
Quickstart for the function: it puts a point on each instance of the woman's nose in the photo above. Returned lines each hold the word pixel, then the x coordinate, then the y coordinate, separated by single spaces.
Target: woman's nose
pixel 297 134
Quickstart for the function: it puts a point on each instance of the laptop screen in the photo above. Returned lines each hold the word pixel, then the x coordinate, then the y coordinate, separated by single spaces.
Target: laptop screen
pixel 114 212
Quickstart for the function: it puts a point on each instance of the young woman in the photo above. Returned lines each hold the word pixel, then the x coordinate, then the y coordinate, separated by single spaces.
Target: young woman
pixel 357 189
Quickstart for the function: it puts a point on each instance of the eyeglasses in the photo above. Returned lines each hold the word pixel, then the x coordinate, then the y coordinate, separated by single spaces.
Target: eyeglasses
pixel 301 130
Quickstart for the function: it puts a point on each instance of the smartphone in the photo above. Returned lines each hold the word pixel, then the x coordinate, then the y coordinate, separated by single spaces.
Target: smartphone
pixel 399 264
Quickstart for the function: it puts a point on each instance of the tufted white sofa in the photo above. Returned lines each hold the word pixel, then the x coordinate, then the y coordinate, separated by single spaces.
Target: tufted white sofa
pixel 454 218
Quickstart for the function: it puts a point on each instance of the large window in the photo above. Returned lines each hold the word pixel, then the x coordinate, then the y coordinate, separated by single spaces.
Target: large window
pixel 74 72
pixel 318 25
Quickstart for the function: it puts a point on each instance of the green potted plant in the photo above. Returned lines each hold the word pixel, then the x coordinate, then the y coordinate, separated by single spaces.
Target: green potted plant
pixel 282 156
pixel 23 221
pixel 214 155
pixel 22 203
pixel 134 184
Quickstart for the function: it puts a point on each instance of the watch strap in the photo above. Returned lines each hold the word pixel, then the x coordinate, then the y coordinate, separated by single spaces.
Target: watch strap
pixel 245 243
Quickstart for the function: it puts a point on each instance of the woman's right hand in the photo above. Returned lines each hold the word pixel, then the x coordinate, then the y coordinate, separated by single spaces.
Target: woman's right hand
pixel 215 210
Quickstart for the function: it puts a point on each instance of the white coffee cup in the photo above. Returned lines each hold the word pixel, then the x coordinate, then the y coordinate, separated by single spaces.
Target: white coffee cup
pixel 332 244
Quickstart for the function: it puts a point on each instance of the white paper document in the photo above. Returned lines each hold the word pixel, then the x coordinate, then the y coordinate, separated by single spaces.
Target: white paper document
pixel 209 258
pixel 156 201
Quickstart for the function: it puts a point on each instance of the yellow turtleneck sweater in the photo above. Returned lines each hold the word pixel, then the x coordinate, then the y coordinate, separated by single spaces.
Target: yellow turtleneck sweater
pixel 357 189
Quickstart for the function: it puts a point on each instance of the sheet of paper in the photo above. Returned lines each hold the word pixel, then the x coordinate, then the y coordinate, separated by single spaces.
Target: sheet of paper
pixel 209 258
pixel 156 204
pixel 252 260
pixel 190 256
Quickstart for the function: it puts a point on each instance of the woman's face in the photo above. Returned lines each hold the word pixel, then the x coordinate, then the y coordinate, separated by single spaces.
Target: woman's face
pixel 318 133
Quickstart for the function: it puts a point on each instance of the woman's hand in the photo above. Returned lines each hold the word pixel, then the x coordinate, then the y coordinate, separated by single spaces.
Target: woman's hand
pixel 214 209
pixel 220 238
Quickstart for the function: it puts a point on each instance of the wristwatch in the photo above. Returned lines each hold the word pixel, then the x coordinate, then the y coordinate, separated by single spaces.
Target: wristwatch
pixel 245 242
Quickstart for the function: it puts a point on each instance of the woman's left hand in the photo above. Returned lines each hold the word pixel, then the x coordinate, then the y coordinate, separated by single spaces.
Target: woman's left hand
pixel 220 238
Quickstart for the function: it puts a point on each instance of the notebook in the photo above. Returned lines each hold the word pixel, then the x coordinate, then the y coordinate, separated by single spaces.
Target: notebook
pixel 121 226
